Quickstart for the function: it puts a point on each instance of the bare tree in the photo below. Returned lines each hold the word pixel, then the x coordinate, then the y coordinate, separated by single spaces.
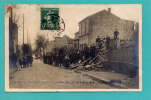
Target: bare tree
pixel 41 44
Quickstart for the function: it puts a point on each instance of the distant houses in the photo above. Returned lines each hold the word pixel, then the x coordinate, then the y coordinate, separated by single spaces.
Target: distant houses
pixel 60 42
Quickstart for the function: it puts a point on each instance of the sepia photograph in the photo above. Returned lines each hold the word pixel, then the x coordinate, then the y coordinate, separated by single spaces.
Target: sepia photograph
pixel 73 47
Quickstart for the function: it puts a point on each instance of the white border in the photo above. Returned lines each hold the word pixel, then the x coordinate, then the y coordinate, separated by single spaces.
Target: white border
pixel 7 89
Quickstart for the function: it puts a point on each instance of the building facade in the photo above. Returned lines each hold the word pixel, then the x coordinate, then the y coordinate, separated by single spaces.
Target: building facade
pixel 13 33
pixel 104 24
pixel 60 42
pixel 124 55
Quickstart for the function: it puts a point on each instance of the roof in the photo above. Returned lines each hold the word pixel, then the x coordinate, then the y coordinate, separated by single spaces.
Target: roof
pixel 102 11
pixel 65 37
pixel 125 20
pixel 76 32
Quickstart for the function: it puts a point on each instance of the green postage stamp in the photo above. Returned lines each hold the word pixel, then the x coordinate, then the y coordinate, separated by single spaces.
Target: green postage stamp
pixel 50 19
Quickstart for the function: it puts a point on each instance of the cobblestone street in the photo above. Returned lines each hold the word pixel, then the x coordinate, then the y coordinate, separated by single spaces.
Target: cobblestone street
pixel 43 76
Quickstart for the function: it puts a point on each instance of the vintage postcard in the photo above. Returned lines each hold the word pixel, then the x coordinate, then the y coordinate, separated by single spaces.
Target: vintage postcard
pixel 73 47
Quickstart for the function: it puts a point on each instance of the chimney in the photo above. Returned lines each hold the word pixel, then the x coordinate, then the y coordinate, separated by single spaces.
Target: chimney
pixel 109 10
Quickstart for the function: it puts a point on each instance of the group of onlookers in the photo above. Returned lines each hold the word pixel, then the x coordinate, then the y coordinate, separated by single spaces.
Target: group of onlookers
pixel 66 56
pixel 20 62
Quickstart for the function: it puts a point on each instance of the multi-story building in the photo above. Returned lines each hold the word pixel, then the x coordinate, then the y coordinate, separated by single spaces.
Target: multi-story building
pixel 103 24
pixel 13 32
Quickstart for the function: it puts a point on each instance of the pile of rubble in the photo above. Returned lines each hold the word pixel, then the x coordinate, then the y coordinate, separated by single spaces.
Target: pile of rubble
pixel 95 63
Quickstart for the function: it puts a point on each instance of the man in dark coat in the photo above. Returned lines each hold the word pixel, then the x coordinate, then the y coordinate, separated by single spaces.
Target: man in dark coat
pixel 107 42
pixel 116 33
pixel 97 41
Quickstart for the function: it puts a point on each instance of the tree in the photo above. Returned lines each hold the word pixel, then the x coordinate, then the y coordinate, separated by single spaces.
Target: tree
pixel 27 50
pixel 41 44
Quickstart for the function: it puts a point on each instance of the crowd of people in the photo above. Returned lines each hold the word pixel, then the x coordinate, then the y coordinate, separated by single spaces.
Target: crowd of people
pixel 20 62
pixel 62 56
pixel 66 56
pixel 21 57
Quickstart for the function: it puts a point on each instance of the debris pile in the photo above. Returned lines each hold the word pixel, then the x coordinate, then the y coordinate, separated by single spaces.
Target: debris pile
pixel 95 63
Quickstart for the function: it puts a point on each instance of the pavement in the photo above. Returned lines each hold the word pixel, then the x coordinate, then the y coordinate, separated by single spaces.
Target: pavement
pixel 44 76
pixel 12 71
pixel 115 80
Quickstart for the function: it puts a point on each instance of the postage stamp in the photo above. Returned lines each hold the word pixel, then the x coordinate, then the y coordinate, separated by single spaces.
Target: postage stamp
pixel 50 19
pixel 100 49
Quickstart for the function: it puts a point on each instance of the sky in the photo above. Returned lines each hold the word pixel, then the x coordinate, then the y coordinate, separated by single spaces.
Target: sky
pixel 71 15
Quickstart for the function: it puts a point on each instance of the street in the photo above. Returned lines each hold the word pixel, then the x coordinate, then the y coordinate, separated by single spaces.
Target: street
pixel 43 76
pixel 100 51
